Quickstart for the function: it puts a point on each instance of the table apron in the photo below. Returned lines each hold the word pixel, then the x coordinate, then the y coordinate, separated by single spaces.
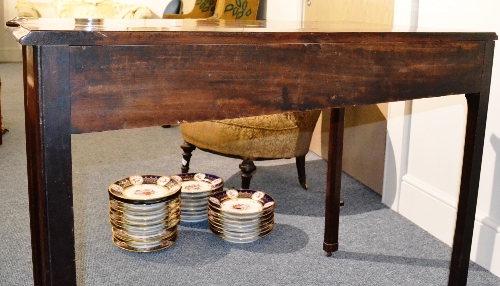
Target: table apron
pixel 116 87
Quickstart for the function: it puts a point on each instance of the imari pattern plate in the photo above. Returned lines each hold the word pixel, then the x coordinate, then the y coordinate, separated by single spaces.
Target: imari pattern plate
pixel 193 183
pixel 196 188
pixel 144 189
pixel 144 211
pixel 241 216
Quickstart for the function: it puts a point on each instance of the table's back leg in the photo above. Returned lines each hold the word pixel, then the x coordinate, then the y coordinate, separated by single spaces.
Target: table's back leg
pixel 334 174
pixel 48 147
pixel 477 109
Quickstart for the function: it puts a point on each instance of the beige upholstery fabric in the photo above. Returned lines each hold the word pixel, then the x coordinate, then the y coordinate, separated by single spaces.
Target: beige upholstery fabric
pixel 260 137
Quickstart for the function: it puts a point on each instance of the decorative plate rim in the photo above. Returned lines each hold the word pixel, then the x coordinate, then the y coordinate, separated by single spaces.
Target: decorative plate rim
pixel 216 182
pixel 117 188
pixel 257 195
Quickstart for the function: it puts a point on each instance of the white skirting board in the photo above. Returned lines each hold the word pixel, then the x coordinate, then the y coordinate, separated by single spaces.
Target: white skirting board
pixel 416 201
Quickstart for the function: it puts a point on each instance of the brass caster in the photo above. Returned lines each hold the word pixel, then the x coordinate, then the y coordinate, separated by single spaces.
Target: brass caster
pixel 327 254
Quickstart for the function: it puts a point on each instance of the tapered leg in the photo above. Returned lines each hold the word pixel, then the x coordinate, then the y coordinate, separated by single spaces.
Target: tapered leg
pixel 247 167
pixel 48 147
pixel 334 173
pixel 471 169
pixel 300 162
pixel 477 109
pixel 186 156
pixel 466 211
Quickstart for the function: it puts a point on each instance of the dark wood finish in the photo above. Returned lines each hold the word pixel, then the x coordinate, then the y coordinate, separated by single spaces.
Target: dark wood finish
pixel 300 163
pixel 212 31
pixel 333 181
pixel 247 167
pixel 477 109
pixel 188 148
pixel 47 96
pixel 109 94
pixel 140 73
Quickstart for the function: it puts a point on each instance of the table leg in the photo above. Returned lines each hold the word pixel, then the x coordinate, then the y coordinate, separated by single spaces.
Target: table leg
pixel 471 169
pixel 48 148
pixel 334 173
pixel 477 109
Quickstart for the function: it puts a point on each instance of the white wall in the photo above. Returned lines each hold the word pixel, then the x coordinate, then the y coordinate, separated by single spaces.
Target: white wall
pixel 10 50
pixel 284 10
pixel 423 184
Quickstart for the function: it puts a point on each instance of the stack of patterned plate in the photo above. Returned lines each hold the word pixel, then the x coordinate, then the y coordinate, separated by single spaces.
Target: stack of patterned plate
pixel 144 212
pixel 241 216
pixel 196 188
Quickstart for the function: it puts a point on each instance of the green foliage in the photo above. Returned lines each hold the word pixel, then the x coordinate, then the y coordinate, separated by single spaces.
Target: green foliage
pixel 239 9
pixel 206 5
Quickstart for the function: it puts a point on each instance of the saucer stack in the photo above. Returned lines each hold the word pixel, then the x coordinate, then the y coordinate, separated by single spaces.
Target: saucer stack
pixel 241 216
pixel 196 188
pixel 144 212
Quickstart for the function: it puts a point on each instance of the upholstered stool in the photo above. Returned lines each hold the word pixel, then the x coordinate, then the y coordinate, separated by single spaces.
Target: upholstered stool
pixel 264 137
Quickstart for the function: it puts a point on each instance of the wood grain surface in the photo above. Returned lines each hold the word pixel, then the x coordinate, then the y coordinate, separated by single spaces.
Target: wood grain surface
pixel 115 87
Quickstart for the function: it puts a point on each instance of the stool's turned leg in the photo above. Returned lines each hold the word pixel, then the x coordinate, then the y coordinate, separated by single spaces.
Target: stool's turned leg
pixel 186 156
pixel 247 167
pixel 334 173
pixel 300 161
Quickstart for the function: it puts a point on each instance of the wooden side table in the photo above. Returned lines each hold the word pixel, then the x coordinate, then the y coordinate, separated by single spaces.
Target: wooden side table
pixel 137 73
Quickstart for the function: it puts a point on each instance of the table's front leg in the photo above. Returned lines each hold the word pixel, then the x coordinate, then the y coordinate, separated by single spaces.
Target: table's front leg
pixel 333 181
pixel 48 148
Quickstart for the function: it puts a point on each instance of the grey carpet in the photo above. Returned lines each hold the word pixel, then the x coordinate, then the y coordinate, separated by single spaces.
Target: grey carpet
pixel 377 246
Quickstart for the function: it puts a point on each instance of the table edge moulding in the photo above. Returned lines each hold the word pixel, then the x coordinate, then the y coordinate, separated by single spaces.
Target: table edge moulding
pixel 106 75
